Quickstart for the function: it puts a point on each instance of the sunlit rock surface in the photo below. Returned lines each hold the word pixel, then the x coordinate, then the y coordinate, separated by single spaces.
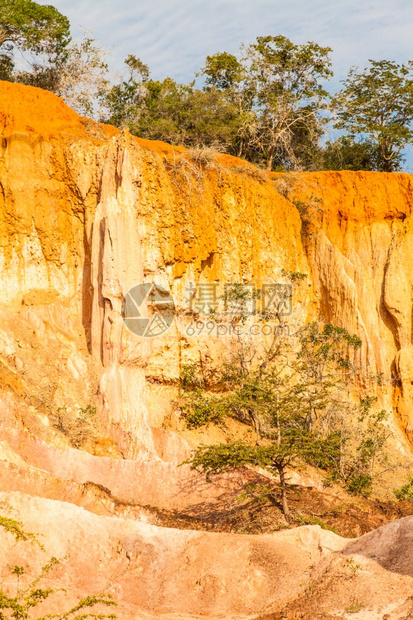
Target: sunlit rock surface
pixel 86 213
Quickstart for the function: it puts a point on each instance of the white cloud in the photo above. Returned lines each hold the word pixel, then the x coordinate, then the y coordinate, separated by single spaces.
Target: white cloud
pixel 174 36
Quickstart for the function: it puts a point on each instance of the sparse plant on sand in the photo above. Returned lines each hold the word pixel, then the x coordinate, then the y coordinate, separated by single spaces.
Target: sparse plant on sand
pixel 30 593
pixel 405 491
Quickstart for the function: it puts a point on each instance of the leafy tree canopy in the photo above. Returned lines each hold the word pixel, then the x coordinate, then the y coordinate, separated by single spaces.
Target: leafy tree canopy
pixel 345 153
pixel 167 110
pixel 377 103
pixel 34 27
pixel 277 87
pixel 222 70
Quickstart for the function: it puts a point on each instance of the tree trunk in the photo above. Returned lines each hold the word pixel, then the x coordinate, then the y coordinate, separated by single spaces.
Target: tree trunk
pixel 283 484
pixel 387 164
pixel 3 36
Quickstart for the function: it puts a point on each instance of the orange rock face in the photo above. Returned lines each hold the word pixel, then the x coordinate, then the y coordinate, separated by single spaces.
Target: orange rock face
pixel 89 212
pixel 359 245
pixel 86 213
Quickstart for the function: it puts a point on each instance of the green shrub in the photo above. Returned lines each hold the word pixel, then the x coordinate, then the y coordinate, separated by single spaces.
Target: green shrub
pixel 405 491
pixel 200 408
pixel 20 606
pixel 16 528
pixel 360 484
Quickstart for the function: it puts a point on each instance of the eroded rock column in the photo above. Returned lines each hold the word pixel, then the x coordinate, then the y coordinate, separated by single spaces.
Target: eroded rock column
pixel 116 266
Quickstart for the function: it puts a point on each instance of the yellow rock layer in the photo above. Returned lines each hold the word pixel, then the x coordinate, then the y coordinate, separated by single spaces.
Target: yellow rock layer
pixel 87 211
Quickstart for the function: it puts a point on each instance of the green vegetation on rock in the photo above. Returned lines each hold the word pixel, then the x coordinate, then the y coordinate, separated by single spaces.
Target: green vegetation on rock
pixel 269 105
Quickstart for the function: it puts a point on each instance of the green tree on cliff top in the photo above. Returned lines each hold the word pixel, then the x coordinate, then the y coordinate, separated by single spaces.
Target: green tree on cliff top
pixel 377 103
pixel 31 27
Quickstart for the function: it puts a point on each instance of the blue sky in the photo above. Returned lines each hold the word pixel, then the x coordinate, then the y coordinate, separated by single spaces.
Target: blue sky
pixel 174 36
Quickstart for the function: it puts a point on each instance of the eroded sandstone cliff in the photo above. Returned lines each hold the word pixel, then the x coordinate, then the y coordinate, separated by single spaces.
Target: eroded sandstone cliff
pixel 86 213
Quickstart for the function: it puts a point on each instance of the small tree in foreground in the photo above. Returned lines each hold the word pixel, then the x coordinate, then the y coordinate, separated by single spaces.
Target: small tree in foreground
pixel 22 605
pixel 28 598
pixel 300 409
